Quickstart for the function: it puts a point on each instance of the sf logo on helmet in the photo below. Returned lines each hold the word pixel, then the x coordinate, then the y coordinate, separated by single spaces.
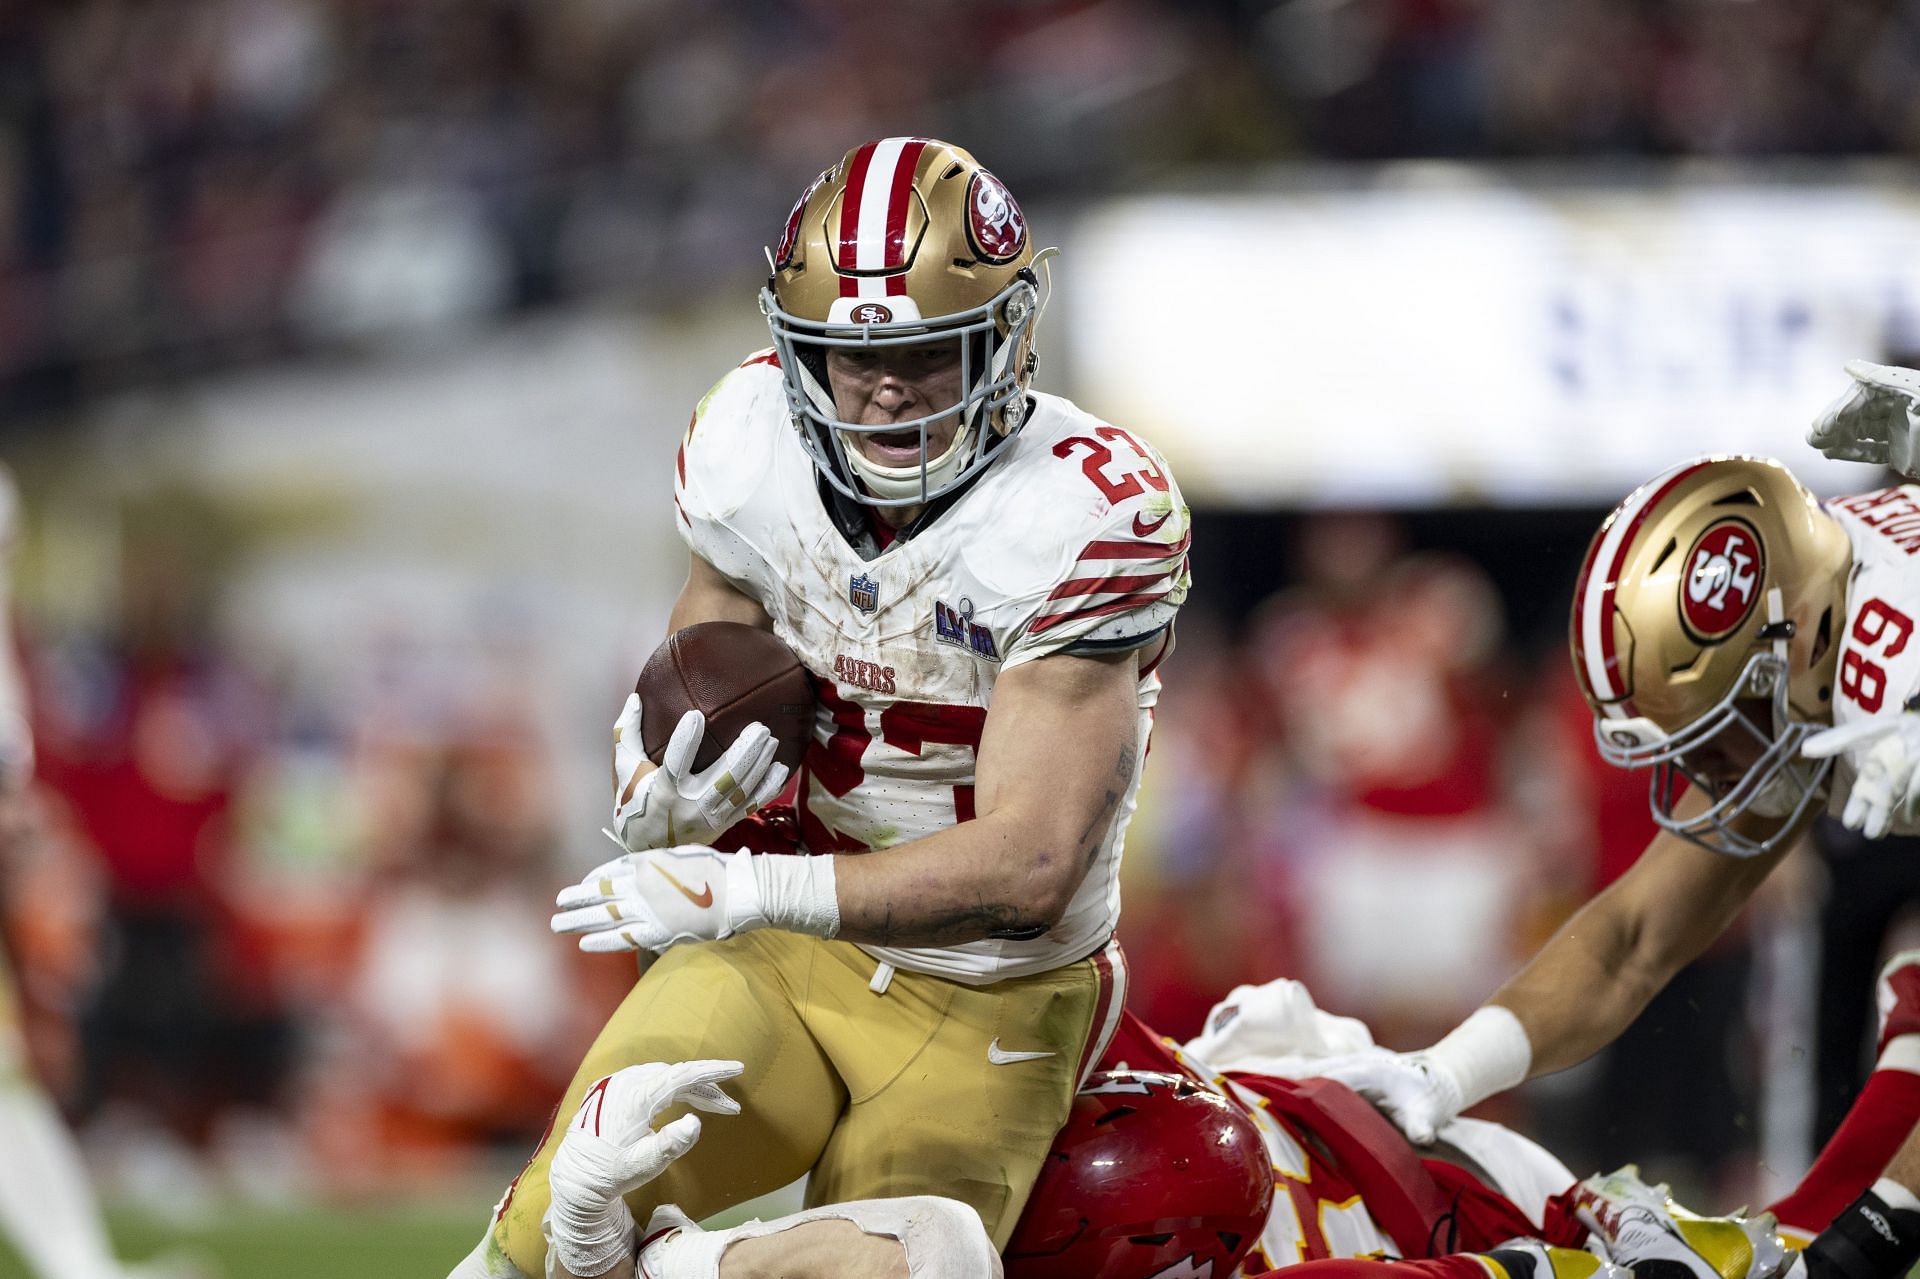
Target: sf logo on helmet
pixel 1722 584
pixel 994 222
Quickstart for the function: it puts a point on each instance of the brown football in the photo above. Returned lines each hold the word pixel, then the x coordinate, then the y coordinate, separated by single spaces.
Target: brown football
pixel 736 675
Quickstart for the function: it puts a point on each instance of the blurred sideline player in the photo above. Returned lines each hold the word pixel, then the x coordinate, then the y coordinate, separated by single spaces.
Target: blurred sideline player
pixel 981 579
pixel 1228 1156
pixel 47 1209
pixel 1756 650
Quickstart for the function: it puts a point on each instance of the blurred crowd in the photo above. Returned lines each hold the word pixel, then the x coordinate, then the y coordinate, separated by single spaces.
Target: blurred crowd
pixel 192 184
pixel 277 933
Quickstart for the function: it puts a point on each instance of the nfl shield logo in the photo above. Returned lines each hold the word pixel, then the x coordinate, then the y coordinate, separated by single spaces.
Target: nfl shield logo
pixel 864 592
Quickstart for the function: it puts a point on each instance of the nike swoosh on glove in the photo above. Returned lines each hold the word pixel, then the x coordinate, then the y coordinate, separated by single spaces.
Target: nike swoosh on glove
pixel 673 804
pixel 1874 419
pixel 657 898
pixel 1885 754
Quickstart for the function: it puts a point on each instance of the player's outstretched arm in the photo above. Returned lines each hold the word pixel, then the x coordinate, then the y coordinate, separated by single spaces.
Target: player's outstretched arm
pixel 1583 988
pixel 1603 966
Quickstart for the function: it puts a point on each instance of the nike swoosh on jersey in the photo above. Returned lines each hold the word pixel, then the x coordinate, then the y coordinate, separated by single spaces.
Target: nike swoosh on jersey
pixel 1000 1057
pixel 1142 528
pixel 702 899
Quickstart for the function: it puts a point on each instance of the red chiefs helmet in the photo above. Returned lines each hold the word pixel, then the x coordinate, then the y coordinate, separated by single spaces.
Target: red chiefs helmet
pixel 1152 1175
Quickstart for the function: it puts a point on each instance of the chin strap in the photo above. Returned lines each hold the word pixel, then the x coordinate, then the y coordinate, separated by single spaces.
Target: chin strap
pixel 1778 625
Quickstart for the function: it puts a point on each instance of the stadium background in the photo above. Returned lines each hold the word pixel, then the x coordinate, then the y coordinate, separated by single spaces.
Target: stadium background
pixel 343 345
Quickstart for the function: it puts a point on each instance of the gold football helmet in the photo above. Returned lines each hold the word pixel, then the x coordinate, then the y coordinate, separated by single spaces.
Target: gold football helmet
pixel 906 241
pixel 1705 634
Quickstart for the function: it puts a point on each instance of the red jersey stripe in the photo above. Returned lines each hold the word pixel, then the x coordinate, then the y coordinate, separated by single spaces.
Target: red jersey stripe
pixel 1104 585
pixel 1126 550
pixel 1050 621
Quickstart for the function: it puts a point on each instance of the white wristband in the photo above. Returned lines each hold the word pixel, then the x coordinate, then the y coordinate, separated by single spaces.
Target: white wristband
pixel 589 1238
pixel 1895 1195
pixel 1487 1053
pixel 797 893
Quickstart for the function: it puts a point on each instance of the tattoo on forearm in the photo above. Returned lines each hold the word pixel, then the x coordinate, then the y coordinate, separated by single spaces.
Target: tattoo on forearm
pixel 960 924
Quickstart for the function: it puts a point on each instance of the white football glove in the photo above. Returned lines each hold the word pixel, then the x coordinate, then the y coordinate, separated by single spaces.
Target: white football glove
pixel 1423 1092
pixel 660 897
pixel 1420 1096
pixel 652 899
pixel 611 1149
pixel 1885 753
pixel 1874 419
pixel 675 805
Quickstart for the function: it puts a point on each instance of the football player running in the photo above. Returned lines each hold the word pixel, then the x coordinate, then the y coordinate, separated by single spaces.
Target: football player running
pixel 981 578
pixel 1755 650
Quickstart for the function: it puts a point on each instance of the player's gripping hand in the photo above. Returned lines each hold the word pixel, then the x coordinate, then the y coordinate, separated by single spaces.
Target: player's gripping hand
pixel 1885 752
pixel 660 897
pixel 1418 1094
pixel 656 898
pixel 611 1148
pixel 1874 419
pixel 1422 1092
pixel 672 804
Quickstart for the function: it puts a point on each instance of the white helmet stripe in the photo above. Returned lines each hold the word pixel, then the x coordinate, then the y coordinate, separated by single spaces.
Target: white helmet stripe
pixel 1596 589
pixel 876 196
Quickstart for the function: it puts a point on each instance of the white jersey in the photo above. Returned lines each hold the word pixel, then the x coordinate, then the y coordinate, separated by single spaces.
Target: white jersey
pixel 1075 537
pixel 1879 670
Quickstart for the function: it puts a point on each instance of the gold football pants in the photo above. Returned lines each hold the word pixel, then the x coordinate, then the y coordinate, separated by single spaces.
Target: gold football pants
pixel 926 1087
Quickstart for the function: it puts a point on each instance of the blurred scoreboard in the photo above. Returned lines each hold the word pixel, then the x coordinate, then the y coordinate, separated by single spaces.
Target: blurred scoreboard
pixel 1437 334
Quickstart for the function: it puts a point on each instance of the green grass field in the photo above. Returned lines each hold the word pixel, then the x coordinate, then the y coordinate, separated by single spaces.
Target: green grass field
pixel 407 1240
pixel 411 1242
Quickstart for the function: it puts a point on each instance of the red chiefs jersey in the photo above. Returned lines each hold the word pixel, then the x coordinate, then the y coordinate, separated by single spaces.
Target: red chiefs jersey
pixel 1346 1183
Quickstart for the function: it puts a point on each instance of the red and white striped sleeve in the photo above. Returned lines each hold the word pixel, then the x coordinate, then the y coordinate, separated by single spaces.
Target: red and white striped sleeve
pixel 1123 588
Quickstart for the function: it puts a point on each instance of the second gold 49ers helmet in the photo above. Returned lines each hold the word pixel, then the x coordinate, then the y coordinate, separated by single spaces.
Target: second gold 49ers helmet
pixel 905 242
pixel 1705 634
